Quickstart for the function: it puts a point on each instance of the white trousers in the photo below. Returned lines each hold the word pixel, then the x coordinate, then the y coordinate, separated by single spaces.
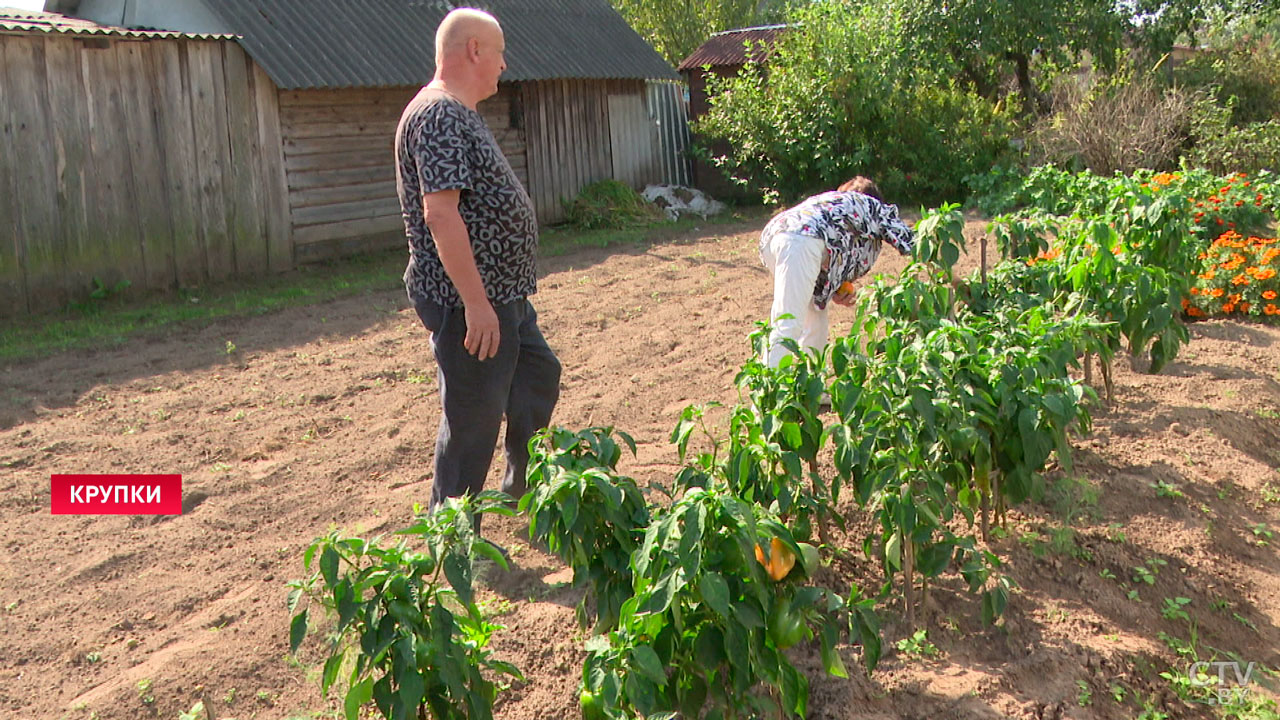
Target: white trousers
pixel 795 261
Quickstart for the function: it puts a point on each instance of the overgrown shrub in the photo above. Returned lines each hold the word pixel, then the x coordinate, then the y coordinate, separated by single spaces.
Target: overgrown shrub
pixel 843 95
pixel 609 204
pixel 1244 78
pixel 1249 148
pixel 1122 122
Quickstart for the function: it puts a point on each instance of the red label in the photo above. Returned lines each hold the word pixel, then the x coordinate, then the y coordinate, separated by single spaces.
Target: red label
pixel 116 494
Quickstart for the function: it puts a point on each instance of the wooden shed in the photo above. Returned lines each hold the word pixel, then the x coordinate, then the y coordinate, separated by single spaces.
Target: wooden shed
pixel 246 136
pixel 723 55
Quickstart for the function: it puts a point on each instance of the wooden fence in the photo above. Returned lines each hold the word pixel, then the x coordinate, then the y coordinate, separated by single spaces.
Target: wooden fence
pixel 152 162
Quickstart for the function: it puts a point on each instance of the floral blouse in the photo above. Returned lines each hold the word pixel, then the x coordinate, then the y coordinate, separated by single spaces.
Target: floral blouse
pixel 853 226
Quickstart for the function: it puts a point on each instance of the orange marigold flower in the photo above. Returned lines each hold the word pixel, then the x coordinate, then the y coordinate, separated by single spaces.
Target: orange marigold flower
pixel 1228 308
pixel 1195 291
pixel 1271 309
pixel 1219 220
pixel 1217 292
pixel 1268 294
pixel 1239 203
pixel 1240 279
pixel 1208 275
pixel 1244 307
pixel 1265 274
pixel 1194 311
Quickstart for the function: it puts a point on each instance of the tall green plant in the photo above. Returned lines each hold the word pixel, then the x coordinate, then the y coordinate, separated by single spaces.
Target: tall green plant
pixel 676 28
pixel 407 624
pixel 842 95
pixel 771 453
pixel 588 514
pixel 705 633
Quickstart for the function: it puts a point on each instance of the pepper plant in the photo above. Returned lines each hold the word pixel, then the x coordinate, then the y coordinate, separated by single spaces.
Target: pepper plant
pixel 588 514
pixel 949 407
pixel 771 453
pixel 407 624
pixel 705 633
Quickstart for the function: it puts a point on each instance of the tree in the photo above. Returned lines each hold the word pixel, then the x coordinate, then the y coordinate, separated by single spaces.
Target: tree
pixel 985 42
pixel 1161 23
pixel 676 28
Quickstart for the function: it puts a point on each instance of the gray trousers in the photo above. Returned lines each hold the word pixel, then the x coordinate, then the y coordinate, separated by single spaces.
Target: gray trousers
pixel 521 382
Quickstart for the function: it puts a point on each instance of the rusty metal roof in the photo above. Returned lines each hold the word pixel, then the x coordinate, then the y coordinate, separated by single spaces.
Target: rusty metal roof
pixel 384 43
pixel 13 21
pixel 730 47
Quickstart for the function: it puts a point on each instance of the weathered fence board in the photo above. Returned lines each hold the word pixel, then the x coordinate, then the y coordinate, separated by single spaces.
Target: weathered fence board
pixel 245 182
pixel 167 68
pixel 374 157
pixel 210 123
pixel 325 196
pixel 363 143
pixel 275 183
pixel 69 130
pixel 140 108
pixel 13 284
pixel 115 251
pixel 34 182
pixel 371 128
pixel 335 212
pixel 349 229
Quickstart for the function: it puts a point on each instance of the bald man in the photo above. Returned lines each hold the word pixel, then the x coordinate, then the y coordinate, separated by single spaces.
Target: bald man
pixel 473 238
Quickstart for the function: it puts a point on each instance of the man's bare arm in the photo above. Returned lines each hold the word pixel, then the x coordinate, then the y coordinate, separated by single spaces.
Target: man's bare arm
pixel 440 210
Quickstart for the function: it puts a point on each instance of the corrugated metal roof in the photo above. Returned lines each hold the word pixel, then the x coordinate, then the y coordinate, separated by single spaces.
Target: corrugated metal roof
pixel 383 43
pixel 730 47
pixel 13 20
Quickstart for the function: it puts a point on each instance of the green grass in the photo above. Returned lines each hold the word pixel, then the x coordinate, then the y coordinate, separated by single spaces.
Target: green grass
pixel 111 321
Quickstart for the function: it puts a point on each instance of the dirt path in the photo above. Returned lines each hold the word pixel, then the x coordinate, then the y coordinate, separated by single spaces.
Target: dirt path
pixel 290 424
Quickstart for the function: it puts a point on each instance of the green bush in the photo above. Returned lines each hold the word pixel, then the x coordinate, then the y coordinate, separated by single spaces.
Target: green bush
pixel 1249 149
pixel 844 95
pixel 609 204
pixel 1243 78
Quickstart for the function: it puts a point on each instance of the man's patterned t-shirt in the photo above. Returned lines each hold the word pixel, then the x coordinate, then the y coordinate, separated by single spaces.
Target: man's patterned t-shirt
pixel 852 225
pixel 442 144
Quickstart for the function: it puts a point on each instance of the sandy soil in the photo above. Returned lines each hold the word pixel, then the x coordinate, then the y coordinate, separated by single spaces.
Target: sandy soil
pixel 324 417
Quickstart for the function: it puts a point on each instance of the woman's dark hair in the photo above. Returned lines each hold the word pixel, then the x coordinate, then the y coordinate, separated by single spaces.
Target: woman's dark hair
pixel 861 184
